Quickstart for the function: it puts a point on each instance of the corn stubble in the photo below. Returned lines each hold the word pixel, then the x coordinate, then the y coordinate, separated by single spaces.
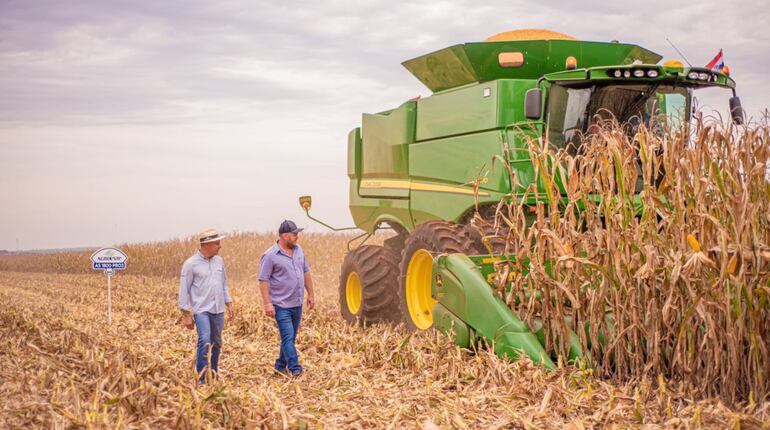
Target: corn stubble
pixel 686 286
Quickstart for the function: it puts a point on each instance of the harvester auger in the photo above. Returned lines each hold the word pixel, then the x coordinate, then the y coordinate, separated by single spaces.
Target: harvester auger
pixel 414 169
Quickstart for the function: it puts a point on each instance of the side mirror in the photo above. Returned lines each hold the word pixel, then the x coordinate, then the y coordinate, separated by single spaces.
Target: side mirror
pixel 736 110
pixel 533 103
pixel 305 202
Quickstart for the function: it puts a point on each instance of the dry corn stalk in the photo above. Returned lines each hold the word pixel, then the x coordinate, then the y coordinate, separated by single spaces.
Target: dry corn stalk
pixel 670 230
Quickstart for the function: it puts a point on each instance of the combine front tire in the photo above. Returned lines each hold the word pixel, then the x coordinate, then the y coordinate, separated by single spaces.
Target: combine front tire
pixel 368 284
pixel 426 241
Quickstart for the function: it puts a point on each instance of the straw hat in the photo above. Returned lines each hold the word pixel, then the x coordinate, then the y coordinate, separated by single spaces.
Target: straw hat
pixel 210 235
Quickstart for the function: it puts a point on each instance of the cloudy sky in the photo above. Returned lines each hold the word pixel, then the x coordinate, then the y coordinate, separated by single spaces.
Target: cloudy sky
pixel 125 121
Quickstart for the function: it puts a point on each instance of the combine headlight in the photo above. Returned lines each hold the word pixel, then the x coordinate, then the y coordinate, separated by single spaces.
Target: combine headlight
pixel 618 73
pixel 703 76
pixel 652 73
pixel 627 74
pixel 692 75
pixel 639 73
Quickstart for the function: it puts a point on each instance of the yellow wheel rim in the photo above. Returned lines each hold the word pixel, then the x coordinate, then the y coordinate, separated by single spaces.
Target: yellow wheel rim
pixel 418 283
pixel 353 293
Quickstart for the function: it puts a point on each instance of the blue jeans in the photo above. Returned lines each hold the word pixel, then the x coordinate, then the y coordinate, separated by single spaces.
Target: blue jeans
pixel 288 325
pixel 209 328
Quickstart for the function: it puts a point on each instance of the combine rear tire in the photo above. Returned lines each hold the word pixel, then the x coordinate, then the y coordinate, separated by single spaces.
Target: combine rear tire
pixel 425 242
pixel 368 284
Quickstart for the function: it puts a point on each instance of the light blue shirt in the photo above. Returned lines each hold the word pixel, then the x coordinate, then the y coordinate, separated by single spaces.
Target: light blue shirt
pixel 203 285
pixel 285 275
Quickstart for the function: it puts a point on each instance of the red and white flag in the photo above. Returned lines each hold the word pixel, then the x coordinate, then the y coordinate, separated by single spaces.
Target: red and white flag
pixel 717 62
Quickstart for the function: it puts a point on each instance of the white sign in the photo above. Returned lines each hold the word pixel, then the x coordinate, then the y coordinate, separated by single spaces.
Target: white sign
pixel 109 260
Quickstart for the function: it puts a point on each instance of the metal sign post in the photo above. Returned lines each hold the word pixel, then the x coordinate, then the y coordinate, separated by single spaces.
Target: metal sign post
pixel 108 260
pixel 109 273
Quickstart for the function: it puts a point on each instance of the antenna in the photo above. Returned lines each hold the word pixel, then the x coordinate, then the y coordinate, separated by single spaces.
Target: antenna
pixel 680 52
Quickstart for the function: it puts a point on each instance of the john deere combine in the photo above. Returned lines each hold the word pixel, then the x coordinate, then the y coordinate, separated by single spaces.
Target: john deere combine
pixel 416 168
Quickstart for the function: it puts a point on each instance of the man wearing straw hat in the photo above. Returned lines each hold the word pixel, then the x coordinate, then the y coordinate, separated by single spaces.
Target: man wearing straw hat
pixel 284 274
pixel 203 297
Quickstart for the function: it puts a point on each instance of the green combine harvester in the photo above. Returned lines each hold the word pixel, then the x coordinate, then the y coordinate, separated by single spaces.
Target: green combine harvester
pixel 415 169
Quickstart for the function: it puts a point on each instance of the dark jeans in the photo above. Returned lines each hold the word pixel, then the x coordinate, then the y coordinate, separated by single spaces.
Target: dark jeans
pixel 209 328
pixel 288 325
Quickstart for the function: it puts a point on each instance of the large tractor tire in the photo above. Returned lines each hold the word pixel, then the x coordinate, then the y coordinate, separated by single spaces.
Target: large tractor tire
pixel 425 242
pixel 368 284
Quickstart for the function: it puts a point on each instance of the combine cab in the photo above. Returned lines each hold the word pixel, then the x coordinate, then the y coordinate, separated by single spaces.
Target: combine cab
pixel 415 169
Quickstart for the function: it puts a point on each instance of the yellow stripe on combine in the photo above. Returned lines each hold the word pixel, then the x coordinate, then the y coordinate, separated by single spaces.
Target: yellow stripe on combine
pixel 489 260
pixel 416 186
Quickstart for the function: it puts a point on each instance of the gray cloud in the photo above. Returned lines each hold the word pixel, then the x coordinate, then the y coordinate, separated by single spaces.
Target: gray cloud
pixel 107 58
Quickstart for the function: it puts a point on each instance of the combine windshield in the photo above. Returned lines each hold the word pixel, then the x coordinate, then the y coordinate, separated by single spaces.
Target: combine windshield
pixel 571 110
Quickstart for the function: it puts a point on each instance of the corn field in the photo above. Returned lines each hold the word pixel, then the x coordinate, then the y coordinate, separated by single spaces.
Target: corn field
pixel 64 367
pixel 673 290
pixel 674 284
